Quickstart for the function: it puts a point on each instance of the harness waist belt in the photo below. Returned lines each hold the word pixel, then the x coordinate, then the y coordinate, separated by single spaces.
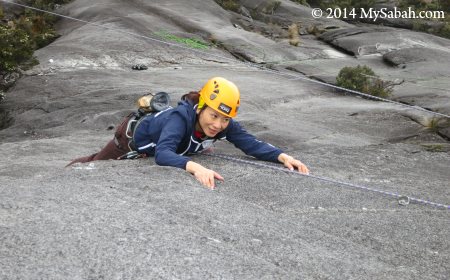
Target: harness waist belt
pixel 133 122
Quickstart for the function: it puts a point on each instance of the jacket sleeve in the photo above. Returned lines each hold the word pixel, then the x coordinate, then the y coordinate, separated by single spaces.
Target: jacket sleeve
pixel 171 136
pixel 250 145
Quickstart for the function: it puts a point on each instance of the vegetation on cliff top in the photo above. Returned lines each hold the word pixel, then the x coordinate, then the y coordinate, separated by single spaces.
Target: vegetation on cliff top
pixel 363 79
pixel 21 34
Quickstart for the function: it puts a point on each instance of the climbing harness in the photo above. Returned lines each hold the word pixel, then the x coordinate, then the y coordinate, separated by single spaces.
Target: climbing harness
pixel 249 64
pixel 402 199
pixel 147 105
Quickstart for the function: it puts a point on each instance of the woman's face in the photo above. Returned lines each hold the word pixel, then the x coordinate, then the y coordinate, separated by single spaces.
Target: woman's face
pixel 212 122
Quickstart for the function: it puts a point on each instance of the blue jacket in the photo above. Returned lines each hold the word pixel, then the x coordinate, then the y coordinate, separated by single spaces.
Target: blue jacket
pixel 169 136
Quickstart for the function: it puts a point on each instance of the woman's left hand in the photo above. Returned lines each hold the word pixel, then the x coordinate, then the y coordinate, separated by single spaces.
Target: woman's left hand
pixel 292 163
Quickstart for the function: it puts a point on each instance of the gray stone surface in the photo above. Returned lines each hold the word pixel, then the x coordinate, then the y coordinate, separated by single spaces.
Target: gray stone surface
pixel 418 63
pixel 137 220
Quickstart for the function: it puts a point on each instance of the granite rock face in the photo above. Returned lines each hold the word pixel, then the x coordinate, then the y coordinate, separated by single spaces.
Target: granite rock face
pixel 133 219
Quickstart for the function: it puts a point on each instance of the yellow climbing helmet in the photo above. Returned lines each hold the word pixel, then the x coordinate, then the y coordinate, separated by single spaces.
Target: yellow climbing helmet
pixel 221 95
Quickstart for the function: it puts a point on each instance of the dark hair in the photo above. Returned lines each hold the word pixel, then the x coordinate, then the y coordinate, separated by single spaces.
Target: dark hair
pixel 191 97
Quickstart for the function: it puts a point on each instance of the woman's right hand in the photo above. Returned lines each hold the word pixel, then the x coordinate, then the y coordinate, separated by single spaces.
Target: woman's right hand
pixel 204 175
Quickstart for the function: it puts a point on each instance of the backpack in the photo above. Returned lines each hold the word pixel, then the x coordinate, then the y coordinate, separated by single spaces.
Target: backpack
pixel 153 103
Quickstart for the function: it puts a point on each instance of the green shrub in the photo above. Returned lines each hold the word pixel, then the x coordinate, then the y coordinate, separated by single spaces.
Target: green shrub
pixel 422 25
pixel 15 48
pixel 231 5
pixel 349 4
pixel 444 31
pixel 25 33
pixel 363 79
pixel 40 29
pixel 271 7
pixel 445 5
pixel 301 2
pixel 355 78
pixel 39 26
pixel 46 4
pixel 434 147
pixel 420 5
pixel 190 42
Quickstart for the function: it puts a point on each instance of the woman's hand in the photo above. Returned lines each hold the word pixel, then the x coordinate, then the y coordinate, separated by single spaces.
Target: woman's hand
pixel 204 175
pixel 292 163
